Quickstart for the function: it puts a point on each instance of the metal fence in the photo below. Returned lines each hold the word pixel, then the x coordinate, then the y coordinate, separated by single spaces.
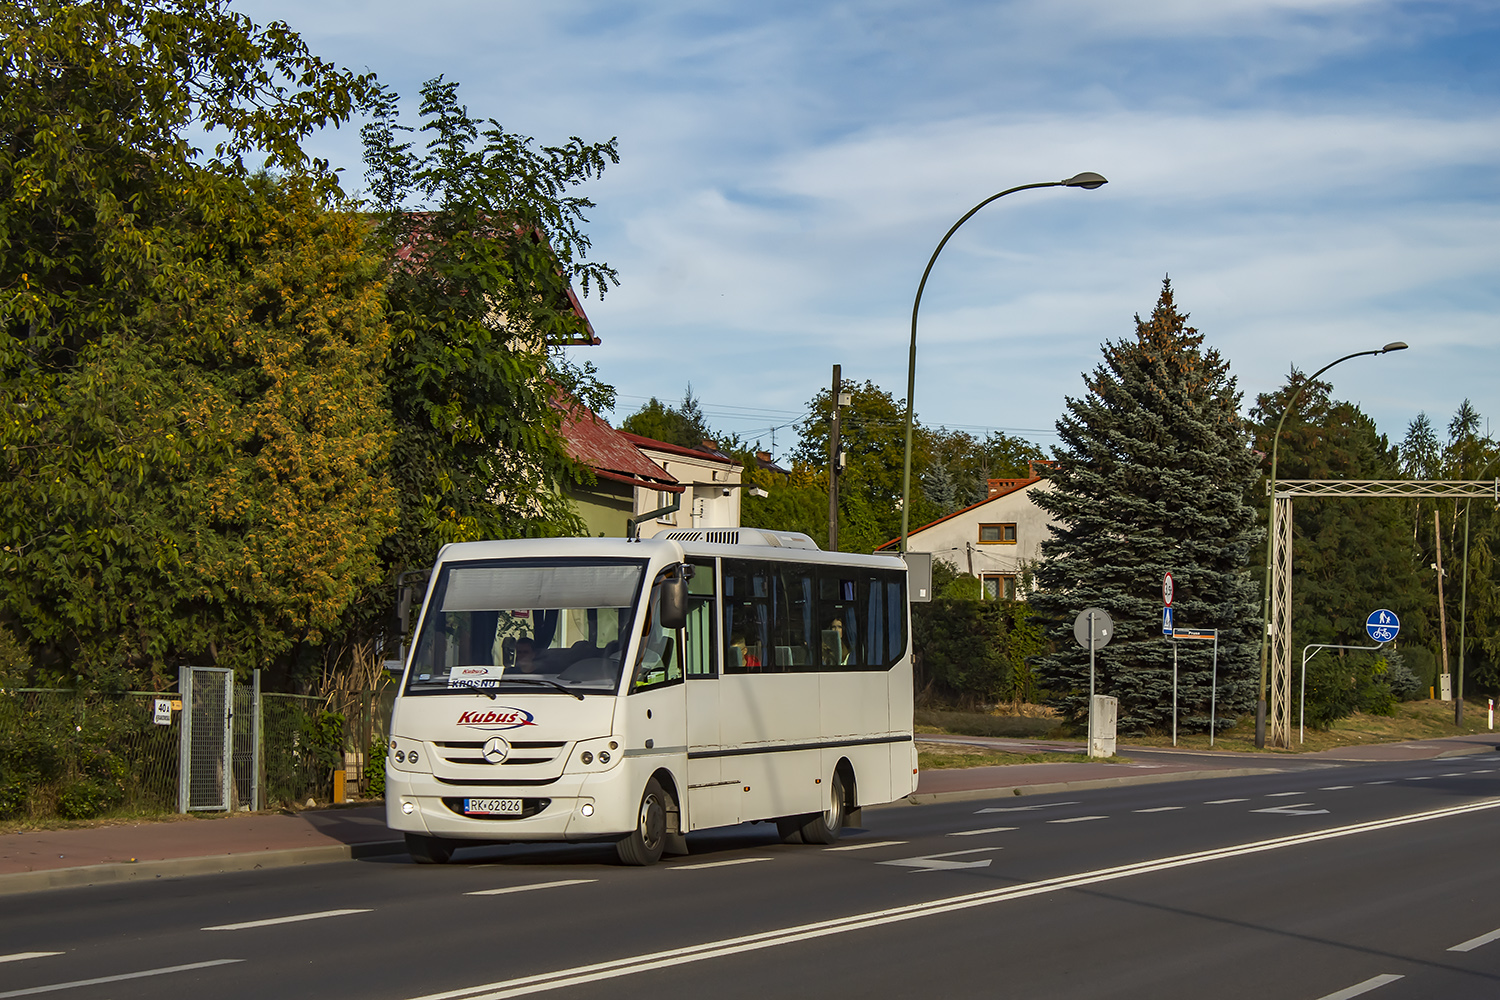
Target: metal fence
pixel 79 755
pixel 75 756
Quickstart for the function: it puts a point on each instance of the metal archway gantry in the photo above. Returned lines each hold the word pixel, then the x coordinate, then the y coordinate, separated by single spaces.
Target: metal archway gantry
pixel 1278 723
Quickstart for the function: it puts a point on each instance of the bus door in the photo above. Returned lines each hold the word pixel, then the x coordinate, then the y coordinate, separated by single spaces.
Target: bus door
pixel 655 726
pixel 710 801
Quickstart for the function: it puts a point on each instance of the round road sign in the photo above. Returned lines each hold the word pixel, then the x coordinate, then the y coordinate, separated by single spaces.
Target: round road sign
pixel 1166 590
pixel 1103 627
pixel 1382 625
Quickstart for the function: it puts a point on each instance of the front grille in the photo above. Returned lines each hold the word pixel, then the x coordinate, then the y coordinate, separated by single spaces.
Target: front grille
pixel 494 782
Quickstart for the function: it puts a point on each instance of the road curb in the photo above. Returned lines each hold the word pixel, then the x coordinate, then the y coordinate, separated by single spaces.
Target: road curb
pixel 1045 788
pixel 61 878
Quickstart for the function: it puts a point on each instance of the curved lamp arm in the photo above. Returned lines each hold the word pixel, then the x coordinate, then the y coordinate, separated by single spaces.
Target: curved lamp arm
pixel 1087 180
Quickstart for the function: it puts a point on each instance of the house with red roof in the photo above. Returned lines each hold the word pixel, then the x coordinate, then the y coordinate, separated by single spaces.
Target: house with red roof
pixel 996 539
pixel 711 486
pixel 623 474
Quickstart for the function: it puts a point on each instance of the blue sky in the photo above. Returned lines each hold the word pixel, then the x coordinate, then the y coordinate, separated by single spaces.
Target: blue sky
pixel 1317 176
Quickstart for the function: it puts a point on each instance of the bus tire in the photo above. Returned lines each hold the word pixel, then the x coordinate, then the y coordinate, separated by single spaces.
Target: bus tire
pixel 824 827
pixel 428 850
pixel 645 844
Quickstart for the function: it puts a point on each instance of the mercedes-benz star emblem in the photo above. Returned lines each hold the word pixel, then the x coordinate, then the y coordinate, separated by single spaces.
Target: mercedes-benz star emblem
pixel 496 749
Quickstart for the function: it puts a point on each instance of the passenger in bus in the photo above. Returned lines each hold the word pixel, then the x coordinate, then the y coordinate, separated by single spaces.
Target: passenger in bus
pixel 741 653
pixel 835 649
pixel 526 657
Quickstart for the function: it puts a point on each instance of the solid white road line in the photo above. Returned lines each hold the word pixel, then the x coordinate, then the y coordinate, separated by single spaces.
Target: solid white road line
pixel 295 918
pixel 1158 809
pixel 1022 809
pixel 866 847
pixel 976 833
pixel 1478 942
pixel 22 956
pixel 1076 819
pixel 528 888
pixel 1223 802
pixel 717 864
pixel 1374 982
pixel 53 987
pixel 579 975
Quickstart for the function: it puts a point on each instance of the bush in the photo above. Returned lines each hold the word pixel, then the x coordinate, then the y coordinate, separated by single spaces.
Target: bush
pixel 88 798
pixel 971 652
pixel 1338 686
pixel 375 767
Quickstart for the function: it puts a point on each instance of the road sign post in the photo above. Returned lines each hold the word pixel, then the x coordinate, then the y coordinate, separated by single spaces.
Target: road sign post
pixel 1213 697
pixel 1092 628
pixel 1383 626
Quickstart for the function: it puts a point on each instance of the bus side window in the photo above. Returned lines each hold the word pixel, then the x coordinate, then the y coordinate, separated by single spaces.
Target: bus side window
pixel 841 624
pixel 657 663
pixel 700 637
pixel 747 617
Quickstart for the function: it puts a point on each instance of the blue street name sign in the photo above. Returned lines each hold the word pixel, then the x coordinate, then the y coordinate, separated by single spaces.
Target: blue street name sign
pixel 1382 625
pixel 1166 621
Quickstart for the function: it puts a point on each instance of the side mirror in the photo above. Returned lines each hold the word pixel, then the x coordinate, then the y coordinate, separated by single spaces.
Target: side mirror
pixel 403 609
pixel 674 599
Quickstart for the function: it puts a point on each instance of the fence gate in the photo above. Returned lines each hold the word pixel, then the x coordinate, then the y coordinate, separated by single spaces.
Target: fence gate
pixel 219 759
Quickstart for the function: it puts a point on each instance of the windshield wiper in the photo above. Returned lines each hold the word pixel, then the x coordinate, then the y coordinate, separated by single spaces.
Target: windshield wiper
pixel 542 680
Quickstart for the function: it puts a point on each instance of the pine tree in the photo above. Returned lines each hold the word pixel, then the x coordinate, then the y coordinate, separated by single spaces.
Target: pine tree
pixel 1153 475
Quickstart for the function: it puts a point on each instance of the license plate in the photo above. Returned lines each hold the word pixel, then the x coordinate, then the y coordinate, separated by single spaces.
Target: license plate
pixel 492 807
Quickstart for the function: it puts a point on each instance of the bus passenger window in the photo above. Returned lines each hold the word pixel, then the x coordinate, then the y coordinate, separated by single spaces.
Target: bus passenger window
pixel 747 602
pixel 700 638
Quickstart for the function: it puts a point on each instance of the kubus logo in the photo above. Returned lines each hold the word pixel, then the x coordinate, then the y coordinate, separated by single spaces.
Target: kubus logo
pixel 497 718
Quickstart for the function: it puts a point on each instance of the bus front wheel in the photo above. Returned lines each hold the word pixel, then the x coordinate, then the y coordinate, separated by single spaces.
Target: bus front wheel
pixel 645 845
pixel 428 850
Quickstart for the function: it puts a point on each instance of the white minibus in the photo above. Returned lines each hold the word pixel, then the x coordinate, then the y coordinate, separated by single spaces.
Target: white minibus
pixel 632 691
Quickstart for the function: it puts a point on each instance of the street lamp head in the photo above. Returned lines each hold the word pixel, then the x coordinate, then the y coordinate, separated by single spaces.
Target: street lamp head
pixel 1088 180
pixel 1394 345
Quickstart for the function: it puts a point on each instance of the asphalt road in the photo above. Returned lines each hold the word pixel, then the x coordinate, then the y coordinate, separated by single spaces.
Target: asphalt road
pixel 1326 882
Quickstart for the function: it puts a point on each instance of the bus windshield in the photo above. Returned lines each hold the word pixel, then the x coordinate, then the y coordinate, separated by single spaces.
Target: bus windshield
pixel 549 626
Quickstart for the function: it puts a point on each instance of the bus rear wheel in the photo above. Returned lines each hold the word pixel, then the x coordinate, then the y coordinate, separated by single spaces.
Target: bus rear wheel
pixel 428 850
pixel 644 846
pixel 824 827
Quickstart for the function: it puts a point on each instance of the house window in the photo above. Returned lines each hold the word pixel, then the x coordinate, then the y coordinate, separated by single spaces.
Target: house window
pixel 997 534
pixel 999 586
pixel 664 499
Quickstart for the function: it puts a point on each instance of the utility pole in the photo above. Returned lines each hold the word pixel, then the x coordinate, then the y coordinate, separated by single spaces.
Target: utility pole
pixel 834 461
pixel 1437 537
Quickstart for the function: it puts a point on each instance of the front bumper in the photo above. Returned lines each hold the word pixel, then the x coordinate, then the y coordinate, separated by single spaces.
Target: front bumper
pixel 414 803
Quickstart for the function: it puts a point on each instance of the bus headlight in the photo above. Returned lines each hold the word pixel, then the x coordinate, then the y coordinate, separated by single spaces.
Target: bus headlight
pixel 592 755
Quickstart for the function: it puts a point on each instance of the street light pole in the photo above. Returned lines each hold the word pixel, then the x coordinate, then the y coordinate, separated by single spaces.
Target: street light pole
pixel 1265 637
pixel 1086 180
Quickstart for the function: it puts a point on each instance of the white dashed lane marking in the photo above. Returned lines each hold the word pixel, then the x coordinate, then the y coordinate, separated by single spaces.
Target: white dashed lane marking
pixel 976 833
pixel 167 970
pixel 1223 802
pixel 1076 819
pixel 1374 982
pixel 1421 777
pixel 527 888
pixel 1158 809
pixel 1388 781
pixel 22 956
pixel 295 918
pixel 1022 809
pixel 1281 795
pixel 1477 942
pixel 717 864
pixel 866 847
pixel 1334 788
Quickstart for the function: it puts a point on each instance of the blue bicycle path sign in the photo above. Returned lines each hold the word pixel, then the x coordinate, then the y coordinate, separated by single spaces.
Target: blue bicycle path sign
pixel 1382 625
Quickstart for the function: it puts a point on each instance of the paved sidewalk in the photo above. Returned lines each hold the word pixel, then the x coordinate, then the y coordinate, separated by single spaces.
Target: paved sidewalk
pixel 146 850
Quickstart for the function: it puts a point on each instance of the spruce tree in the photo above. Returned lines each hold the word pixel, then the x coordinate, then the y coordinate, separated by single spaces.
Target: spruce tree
pixel 1154 475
